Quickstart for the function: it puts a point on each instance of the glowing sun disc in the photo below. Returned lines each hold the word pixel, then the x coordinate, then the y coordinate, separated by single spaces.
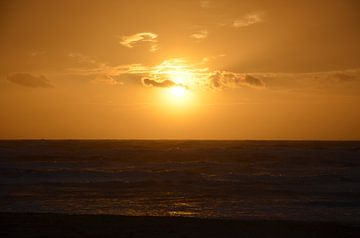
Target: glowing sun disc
pixel 178 91
pixel 177 95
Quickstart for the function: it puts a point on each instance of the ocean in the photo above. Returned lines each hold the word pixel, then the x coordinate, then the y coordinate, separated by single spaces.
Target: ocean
pixel 272 180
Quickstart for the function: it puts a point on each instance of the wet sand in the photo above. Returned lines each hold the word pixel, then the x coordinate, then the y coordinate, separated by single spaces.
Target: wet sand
pixel 59 225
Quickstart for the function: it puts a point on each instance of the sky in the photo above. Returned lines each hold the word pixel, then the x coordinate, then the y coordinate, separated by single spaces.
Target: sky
pixel 163 69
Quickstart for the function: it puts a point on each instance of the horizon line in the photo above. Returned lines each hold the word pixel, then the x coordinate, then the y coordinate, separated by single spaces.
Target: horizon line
pixel 174 139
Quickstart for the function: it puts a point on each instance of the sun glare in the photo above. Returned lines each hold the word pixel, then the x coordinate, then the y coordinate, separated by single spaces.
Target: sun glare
pixel 184 77
pixel 178 91
pixel 178 96
pixel 178 71
pixel 180 76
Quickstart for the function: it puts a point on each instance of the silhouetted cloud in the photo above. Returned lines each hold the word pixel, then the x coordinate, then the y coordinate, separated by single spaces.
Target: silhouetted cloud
pixel 130 41
pixel 251 80
pixel 29 80
pixel 162 84
pixel 223 79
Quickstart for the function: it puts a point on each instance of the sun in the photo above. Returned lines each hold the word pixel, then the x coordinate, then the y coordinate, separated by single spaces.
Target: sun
pixel 177 95
pixel 183 77
pixel 178 91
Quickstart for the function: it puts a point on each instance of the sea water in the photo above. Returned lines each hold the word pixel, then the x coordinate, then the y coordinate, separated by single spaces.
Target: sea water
pixel 287 180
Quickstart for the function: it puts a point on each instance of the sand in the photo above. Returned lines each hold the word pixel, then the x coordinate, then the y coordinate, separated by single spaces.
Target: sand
pixel 60 225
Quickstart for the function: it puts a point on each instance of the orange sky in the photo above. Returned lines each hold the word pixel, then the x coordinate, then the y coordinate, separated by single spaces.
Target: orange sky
pixel 180 69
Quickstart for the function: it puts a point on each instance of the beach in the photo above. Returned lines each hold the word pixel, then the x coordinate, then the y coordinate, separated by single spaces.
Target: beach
pixel 60 225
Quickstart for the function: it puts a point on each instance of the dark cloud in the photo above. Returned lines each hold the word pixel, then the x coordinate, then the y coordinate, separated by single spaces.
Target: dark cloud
pixel 251 80
pixel 29 80
pixel 223 79
pixel 162 84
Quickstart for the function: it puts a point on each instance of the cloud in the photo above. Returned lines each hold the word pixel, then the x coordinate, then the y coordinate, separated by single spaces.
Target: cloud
pixel 173 72
pixel 107 80
pixel 249 19
pixel 315 82
pixel 205 4
pixel 197 76
pixel 224 79
pixel 342 77
pixel 162 84
pixel 80 58
pixel 200 35
pixel 35 53
pixel 212 58
pixel 29 80
pixel 132 40
pixel 251 80
pixel 112 71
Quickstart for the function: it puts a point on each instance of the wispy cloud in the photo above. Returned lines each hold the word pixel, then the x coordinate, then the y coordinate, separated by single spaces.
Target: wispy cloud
pixel 174 72
pixel 212 58
pixel 249 19
pixel 335 81
pixel 180 72
pixel 200 35
pixel 81 58
pixel 107 80
pixel 131 40
pixel 35 53
pixel 205 4
pixel 29 80
pixel 343 77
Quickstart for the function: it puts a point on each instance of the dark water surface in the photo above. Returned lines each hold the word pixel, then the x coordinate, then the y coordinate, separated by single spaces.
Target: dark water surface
pixel 300 180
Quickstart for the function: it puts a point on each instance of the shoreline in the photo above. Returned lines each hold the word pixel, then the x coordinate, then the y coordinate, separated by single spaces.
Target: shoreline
pixel 71 225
